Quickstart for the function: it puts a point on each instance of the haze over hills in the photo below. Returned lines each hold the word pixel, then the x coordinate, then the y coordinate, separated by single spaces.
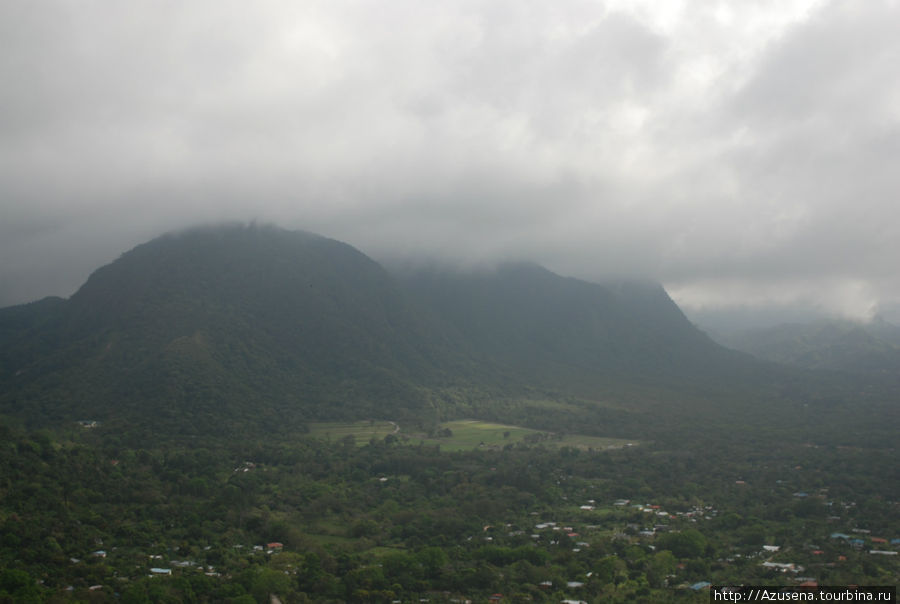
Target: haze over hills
pixel 555 328
pixel 223 328
pixel 867 348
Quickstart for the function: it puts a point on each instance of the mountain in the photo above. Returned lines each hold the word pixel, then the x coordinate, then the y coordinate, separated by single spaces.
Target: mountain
pixel 560 330
pixel 865 348
pixel 236 327
pixel 248 323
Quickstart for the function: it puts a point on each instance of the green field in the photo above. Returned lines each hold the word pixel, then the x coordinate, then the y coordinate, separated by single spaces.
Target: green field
pixel 463 435
pixel 362 431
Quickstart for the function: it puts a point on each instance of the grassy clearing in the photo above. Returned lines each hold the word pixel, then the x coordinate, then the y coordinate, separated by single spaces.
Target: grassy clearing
pixel 468 434
pixel 463 435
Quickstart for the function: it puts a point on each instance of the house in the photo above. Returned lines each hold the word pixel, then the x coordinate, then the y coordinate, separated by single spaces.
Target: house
pixel 783 566
pixel 771 548
pixel 275 546
pixel 160 571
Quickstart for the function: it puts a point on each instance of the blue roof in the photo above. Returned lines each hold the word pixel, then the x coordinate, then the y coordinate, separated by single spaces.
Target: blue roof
pixel 700 585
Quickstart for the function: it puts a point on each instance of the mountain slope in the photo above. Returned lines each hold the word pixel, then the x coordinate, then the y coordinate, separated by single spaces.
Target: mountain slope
pixel 559 330
pixel 241 328
pixel 240 322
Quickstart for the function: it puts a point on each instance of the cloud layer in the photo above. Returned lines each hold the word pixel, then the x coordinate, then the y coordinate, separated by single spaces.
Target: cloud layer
pixel 741 153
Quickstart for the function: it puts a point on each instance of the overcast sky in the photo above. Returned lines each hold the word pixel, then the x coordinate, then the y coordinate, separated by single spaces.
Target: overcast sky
pixel 741 153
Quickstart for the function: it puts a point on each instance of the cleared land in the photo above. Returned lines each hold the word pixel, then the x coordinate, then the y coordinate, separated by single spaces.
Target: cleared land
pixel 463 435
pixel 362 431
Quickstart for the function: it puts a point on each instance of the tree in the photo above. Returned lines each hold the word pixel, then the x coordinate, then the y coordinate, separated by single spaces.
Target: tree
pixel 269 582
pixel 686 544
pixel 659 567
pixel 18 586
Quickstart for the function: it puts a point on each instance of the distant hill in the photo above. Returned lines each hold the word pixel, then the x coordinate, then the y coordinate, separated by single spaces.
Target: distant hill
pixel 235 328
pixel 865 348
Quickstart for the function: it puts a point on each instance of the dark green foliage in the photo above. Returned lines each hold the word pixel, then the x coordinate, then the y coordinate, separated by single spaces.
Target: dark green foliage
pixel 686 544
pixel 218 329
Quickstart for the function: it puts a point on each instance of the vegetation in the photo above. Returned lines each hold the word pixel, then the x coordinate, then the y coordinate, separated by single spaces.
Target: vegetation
pixel 238 328
pixel 86 517
pixel 844 345
pixel 461 435
pixel 232 414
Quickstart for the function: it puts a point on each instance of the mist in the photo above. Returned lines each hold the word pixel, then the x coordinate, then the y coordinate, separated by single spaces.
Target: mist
pixel 743 156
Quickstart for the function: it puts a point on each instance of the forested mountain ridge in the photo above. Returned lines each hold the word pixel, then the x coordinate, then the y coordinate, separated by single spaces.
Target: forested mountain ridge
pixel 239 327
pixel 561 329
pixel 228 323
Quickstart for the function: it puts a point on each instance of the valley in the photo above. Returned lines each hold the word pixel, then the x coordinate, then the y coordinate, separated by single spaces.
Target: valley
pixel 246 414
pixel 328 518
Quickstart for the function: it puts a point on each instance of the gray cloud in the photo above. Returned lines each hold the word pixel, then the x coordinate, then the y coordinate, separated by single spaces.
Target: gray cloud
pixel 737 153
